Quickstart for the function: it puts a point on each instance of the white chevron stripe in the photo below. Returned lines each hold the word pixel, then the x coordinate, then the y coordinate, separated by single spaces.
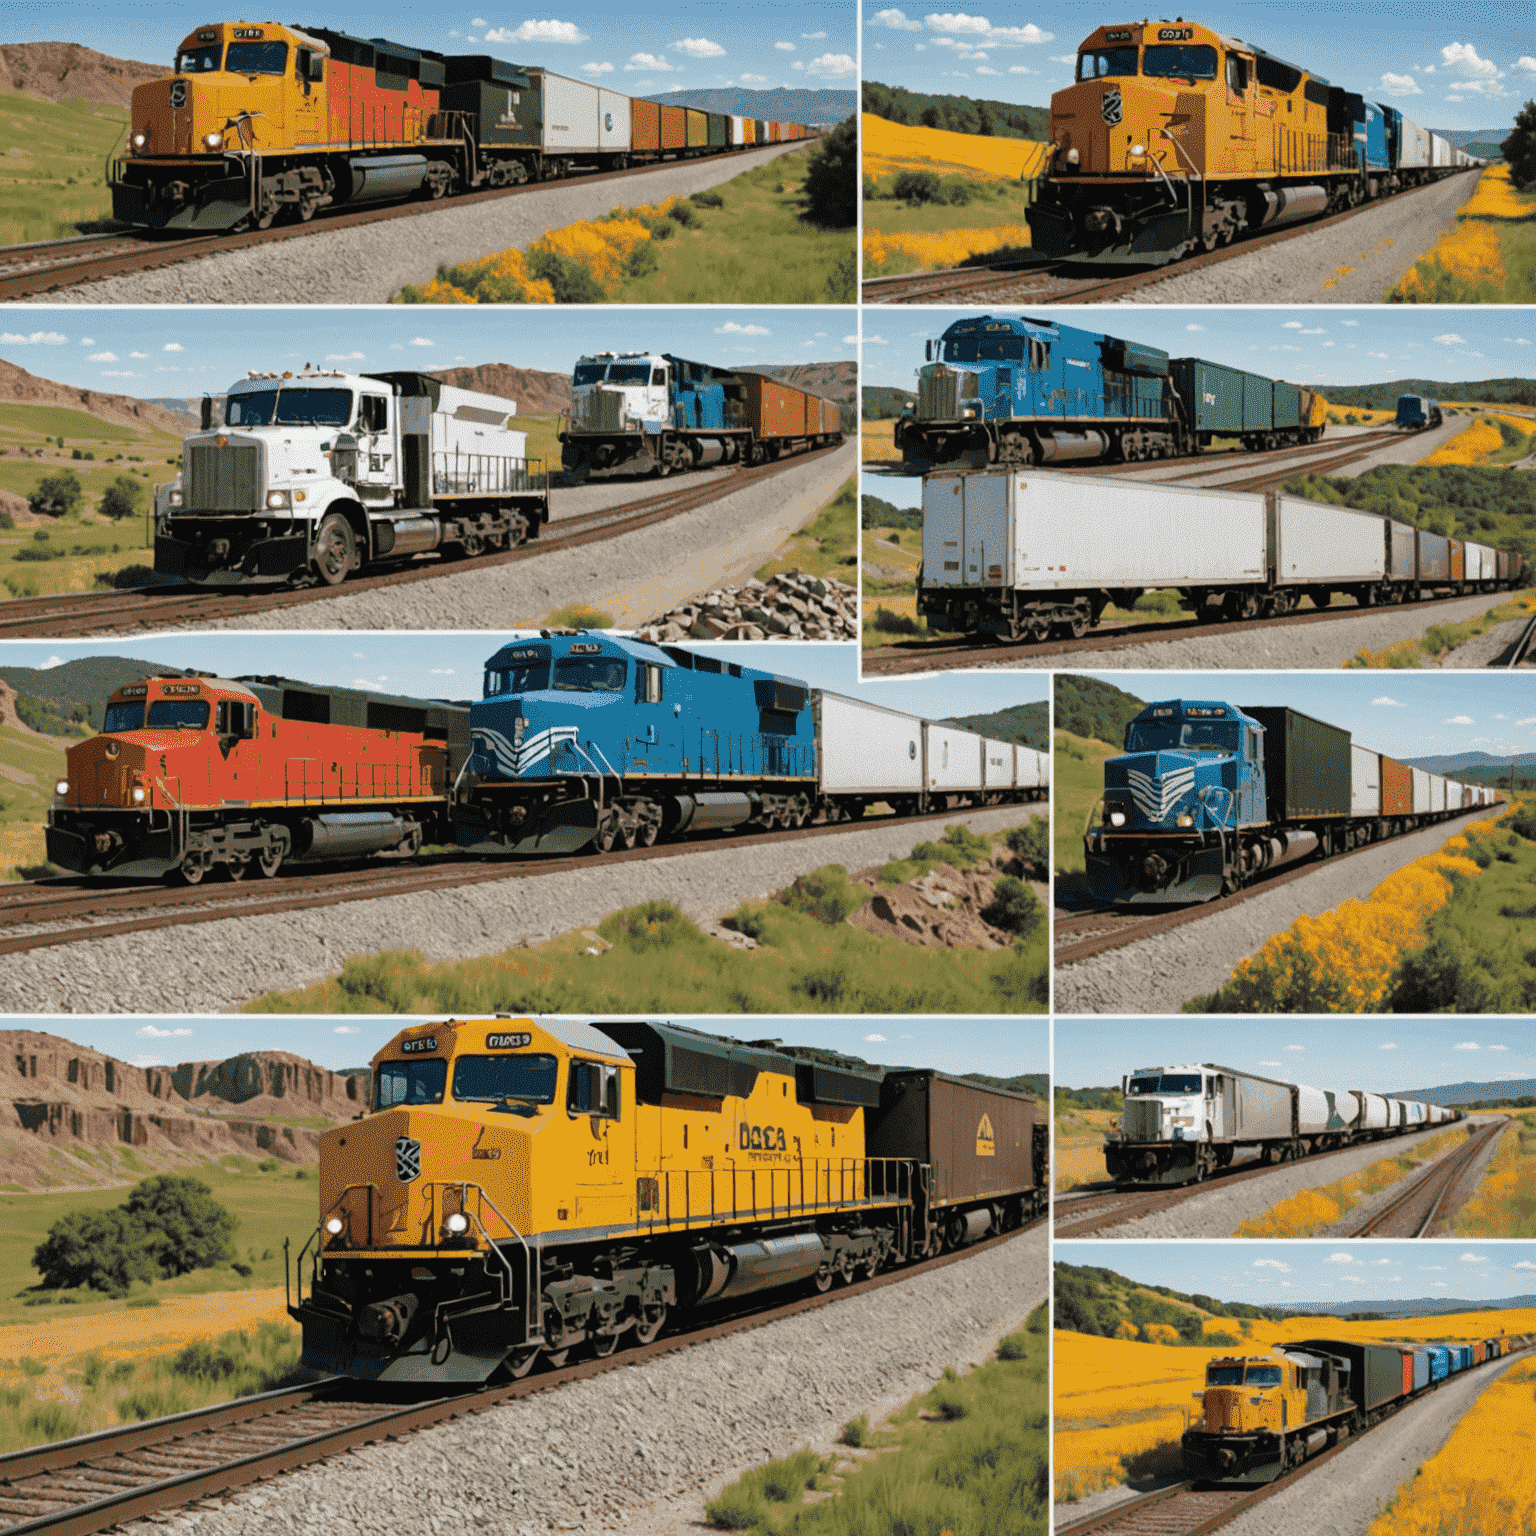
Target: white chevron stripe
pixel 1154 798
pixel 516 761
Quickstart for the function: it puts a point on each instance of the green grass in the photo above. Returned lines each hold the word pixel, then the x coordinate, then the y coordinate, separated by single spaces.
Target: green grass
pixel 825 546
pixel 29 767
pixel 1077 784
pixel 1442 638
pixel 754 249
pixel 53 165
pixel 971 1461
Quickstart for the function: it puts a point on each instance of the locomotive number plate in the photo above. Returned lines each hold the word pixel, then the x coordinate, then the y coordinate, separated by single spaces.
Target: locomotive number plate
pixel 181 688
pixel 1117 36
pixel 419 1047
pixel 507 1042
pixel 586 648
pixel 1175 34
pixel 249 34
pixel 1113 106
pixel 134 690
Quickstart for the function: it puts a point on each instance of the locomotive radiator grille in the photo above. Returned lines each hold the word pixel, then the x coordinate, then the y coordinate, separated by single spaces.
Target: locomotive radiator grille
pixel 938 395
pixel 1143 1119
pixel 601 411
pixel 227 479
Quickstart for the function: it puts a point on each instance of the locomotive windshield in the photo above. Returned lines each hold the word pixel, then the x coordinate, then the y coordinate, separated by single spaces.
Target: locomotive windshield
pixel 289 407
pixel 179 715
pixel 256 58
pixel 629 373
pixel 124 717
pixel 1185 61
pixel 198 61
pixel 1224 1376
pixel 527 674
pixel 590 674
pixel 1263 1376
pixel 1182 735
pixel 1168 1082
pixel 409 1082
pixel 1102 62
pixel 490 1079
pixel 984 349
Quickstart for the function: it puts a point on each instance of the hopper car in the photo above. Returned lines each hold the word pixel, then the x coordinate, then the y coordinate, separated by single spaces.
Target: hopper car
pixel 1026 554
pixel 1209 795
pixel 1010 390
pixel 582 740
pixel 522 1189
pixel 257 122
pixel 1261 1415
pixel 636 413
pixel 1181 1123
pixel 1175 138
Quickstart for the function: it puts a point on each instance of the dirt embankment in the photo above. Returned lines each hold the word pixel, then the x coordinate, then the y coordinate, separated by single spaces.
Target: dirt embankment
pixel 55 71
pixel 942 909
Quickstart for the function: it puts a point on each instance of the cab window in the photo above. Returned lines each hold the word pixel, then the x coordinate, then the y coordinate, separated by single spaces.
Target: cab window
pixel 1180 61
pixel 373 414
pixel 490 1079
pixel 1224 1376
pixel 593 1089
pixel 198 61
pixel 1104 62
pixel 528 676
pixel 1237 74
pixel 590 674
pixel 124 717
pixel 658 378
pixel 588 373
pixel 257 59
pixel 649 681
pixel 409 1082
pixel 1263 1376
pixel 179 714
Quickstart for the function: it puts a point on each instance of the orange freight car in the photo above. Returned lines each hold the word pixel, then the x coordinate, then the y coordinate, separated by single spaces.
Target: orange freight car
pixel 645 126
pixel 1396 788
pixel 674 128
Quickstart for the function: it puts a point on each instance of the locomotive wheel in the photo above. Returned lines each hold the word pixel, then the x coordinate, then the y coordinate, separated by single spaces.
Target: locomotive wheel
pixel 650 1323
pixel 555 1358
pixel 269 862
pixel 234 869
pixel 191 870
pixel 603 1344
pixel 333 550
pixel 520 1362
pixel 608 833
pixel 823 1280
pixel 663 467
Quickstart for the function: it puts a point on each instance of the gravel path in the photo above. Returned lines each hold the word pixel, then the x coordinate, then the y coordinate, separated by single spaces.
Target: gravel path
pixel 1222 1209
pixel 1356 262
pixel 643 562
pixel 213 967
pixel 1486 649
pixel 1159 975
pixel 366 265
pixel 639 1449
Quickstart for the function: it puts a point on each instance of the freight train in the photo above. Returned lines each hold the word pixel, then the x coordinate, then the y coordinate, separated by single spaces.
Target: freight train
pixel 1023 555
pixel 581 741
pixel 522 1189
pixel 308 477
pixel 257 122
pixel 1012 390
pixel 1209 795
pixel 635 413
pixel 1181 1123
pixel 1418 412
pixel 1175 138
pixel 1261 1415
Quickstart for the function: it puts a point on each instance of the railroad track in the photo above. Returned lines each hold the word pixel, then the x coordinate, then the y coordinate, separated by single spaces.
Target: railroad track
pixel 76 1487
pixel 1520 653
pixel 1115 928
pixel 1066 282
pixel 63 617
pixel 62 912
pixel 46 267
pixel 1412 1211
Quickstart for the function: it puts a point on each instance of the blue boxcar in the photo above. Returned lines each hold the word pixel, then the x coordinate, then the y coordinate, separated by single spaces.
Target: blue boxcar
pixel 1439 1362
pixel 698 395
pixel 1420 1366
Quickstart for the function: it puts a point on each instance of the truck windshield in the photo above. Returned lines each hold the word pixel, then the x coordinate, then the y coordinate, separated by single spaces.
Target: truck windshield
pixel 490 1079
pixel 179 715
pixel 530 675
pixel 1263 1376
pixel 289 408
pixel 198 61
pixel 124 717
pixel 256 58
pixel 984 349
pixel 1168 1082
pixel 629 373
pixel 1186 61
pixel 409 1082
pixel 1224 1376
pixel 1181 736
pixel 589 373
pixel 1106 61
pixel 590 674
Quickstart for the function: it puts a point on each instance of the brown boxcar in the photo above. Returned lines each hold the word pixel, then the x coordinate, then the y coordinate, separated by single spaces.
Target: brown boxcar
pixel 1458 560
pixel 773 409
pixel 1396 788
pixel 674 128
pixel 984 1144
pixel 698 128
pixel 775 133
pixel 644 126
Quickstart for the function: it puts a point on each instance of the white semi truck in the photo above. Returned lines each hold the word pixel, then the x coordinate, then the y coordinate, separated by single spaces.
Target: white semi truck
pixel 313 475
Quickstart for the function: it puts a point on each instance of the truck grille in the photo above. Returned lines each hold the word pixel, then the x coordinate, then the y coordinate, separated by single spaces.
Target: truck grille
pixel 601 411
pixel 1143 1119
pixel 938 395
pixel 227 479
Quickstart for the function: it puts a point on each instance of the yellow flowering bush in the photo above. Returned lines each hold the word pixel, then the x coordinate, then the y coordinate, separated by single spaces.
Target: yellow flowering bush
pixel 1474 445
pixel 602 247
pixel 1466 263
pixel 889 147
pixel 1495 198
pixel 500 279
pixel 1505 1202
pixel 947 248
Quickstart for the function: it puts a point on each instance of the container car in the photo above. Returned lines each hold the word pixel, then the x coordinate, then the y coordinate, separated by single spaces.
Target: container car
pixel 522 1189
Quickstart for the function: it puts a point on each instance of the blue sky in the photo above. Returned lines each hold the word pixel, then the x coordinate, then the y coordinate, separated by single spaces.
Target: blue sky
pixel 1311 345
pixel 1385 1055
pixel 1283 1274
pixel 640 51
pixel 999 1047
pixel 1401 715
pixel 1443 67
pixel 160 351
pixel 450 665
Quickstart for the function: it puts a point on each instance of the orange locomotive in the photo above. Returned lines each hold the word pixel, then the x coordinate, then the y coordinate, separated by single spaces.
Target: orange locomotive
pixel 193 772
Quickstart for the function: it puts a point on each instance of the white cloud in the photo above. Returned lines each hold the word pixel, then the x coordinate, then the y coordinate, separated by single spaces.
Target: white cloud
pixel 897 21
pixel 1450 339
pixel 597 69
pixel 173 346
pixel 1439 1285
pixel 140 355
pixel 1467 1045
pixel 1474 1258
pixel 754 79
pixel 440 672
pixel 1022 69
pixel 832 66
pixel 346 1029
pixel 36 339
pixel 1400 85
pixel 1529 720
pixel 1392 703
pixel 699 48
pixel 1318 331
pixel 1525 1264
pixel 1354 1280
pixel 1349 322
pixel 121 373
pixel 1527 63
pixel 1001 37
pixel 539 32
pixel 87 341
pixel 1391 1045
pixel 1194 327
pixel 730 328
pixel 345 357
pixel 986 69
pixel 149 1032
pixel 1340 1258
pixel 785 47
pixel 647 61
pixel 1293 1047
pixel 813 37
pixel 1460 720
pixel 977 26
pixel 1381 355
pixel 421 341
pixel 1291 325
pixel 875 1039
pixel 1498 1047
pixel 479 21
pixel 50 664
pixel 1463 57
pixel 1284 1269
pixel 1271 1063
pixel 102 357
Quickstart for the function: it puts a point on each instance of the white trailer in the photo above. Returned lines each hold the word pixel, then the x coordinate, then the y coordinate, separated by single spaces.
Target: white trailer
pixel 954 759
pixel 1421 794
pixel 867 749
pixel 572 115
pixel 1364 781
pixel 1317 543
pixel 1001 772
pixel 1415 151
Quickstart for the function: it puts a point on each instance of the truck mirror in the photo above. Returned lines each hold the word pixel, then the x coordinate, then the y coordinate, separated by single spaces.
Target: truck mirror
pixel 207 413
pixel 927 351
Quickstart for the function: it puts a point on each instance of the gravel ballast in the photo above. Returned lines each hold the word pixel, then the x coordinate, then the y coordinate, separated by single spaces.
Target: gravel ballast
pixel 1160 975
pixel 639 1449
pixel 213 967
pixel 643 566
pixel 365 265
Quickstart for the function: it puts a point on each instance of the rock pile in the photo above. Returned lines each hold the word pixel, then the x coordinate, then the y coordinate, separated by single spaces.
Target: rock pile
pixel 787 607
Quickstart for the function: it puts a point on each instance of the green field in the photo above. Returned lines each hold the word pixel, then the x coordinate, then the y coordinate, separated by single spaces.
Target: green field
pixel 1077 783
pixel 29 767
pixel 825 546
pixel 53 166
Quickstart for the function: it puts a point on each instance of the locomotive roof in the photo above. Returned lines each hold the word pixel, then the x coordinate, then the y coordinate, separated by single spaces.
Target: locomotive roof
pixel 1182 709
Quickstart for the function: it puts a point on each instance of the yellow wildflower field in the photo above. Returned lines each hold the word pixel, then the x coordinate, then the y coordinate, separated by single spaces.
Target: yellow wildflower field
pixel 1473 446
pixel 1502 1205
pixel 943 248
pixel 890 147
pixel 1495 198
pixel 1365 416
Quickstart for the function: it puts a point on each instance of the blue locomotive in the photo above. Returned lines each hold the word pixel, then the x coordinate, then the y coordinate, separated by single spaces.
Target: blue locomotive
pixel 1418 412
pixel 1017 391
pixel 1208 795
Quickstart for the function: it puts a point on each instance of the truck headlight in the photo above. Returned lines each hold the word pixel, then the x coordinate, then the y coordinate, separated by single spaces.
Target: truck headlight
pixel 62 787
pixel 1185 819
pixel 1117 818
pixel 277 500
pixel 173 498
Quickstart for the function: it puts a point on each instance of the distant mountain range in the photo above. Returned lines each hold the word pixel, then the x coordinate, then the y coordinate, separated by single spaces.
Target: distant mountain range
pixel 1425 1306
pixel 1470 1093
pixel 1462 137
pixel 1479 766
pixel 1383 397
pixel 820 109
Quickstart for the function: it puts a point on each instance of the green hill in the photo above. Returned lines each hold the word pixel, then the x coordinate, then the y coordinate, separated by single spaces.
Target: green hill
pixel 1100 1302
pixel 1383 397
pixel 879 513
pixel 957 114
pixel 1087 707
pixel 1077 782
pixel 77 689
pixel 1025 724
pixel 882 402
pixel 1036 1084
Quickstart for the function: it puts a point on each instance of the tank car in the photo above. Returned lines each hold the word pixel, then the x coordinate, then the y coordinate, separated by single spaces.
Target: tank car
pixel 521 1189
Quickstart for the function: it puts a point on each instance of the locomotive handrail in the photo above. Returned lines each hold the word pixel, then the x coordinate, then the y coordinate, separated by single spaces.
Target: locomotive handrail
pixel 855 1183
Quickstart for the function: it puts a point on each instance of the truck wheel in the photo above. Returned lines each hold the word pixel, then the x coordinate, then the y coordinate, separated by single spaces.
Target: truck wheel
pixel 333 550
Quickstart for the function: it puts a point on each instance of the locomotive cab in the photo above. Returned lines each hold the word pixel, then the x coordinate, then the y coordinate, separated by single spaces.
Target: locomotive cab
pixel 1259 1414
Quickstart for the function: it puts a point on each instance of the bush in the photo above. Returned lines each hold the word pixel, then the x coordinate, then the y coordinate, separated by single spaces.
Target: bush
pixel 887 623
pixel 56 495
pixel 1014 907
pixel 856 1431
pixel 572 282
pixel 185 1227
pixel 707 200
pixel 832 182
pixel 824 894
pixel 121 498
pixel 104 1250
pixel 683 213
pixel 918 187
pixel 1031 843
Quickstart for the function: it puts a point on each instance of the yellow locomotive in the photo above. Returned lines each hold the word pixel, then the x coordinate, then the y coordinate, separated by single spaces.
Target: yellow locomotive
pixel 519 1189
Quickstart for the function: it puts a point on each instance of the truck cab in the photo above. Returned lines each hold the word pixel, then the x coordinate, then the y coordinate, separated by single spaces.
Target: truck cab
pixel 622 391
pixel 1183 1103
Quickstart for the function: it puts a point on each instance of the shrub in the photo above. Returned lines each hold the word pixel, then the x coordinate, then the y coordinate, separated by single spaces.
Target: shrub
pixel 56 495
pixel 856 1431
pixel 103 1250
pixel 186 1228
pixel 918 187
pixel 824 894
pixel 708 200
pixel 832 182
pixel 683 213
pixel 572 282
pixel 121 498
pixel 1014 907
pixel 887 623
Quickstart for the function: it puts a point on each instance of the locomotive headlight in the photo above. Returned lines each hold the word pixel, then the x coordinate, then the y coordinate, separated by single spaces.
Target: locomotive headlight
pixel 278 499
pixel 1137 151
pixel 62 787
pixel 139 140
pixel 457 1224
pixel 173 497
pixel 1185 819
pixel 214 140
pixel 336 1226
pixel 138 794
pixel 1074 158
pixel 1117 818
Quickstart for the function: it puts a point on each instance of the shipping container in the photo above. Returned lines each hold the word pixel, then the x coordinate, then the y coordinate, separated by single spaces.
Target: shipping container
pixel 1260 1108
pixel 1287 405
pixel 1401 545
pixel 1373 1112
pixel 719 130
pixel 613 121
pixel 1458 560
pixel 866 749
pixel 980 1142
pixel 999 764
pixel 738 138
pixel 1436 794
pixel 571 115
pixel 674 128
pixel 1364 781
pixel 645 127
pixel 1315 1113
pixel 1314 542
pixel 1306 764
pixel 774 410
pixel 1439 1361
pixel 1396 788
pixel 1413 147
pixel 1213 392
pixel 954 759
pixel 1434 557
pixel 698 128
pixel 1376 1370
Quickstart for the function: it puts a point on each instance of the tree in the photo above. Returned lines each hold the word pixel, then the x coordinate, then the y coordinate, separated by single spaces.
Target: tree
pixel 56 495
pixel 1519 149
pixel 104 1250
pixel 832 182
pixel 185 1227
pixel 121 498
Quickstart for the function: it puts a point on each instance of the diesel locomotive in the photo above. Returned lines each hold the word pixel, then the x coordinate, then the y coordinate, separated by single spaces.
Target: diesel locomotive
pixel 1207 796
pixel 1174 138
pixel 520 1189
pixel 261 121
